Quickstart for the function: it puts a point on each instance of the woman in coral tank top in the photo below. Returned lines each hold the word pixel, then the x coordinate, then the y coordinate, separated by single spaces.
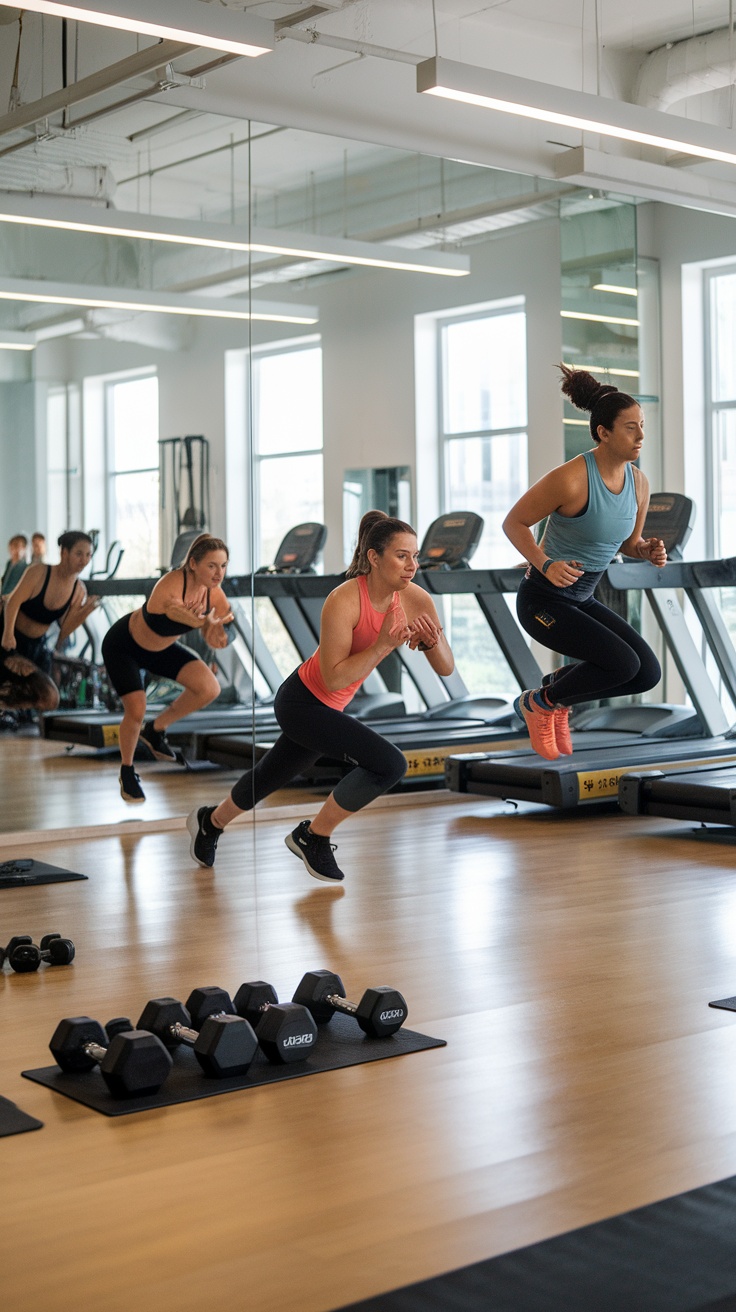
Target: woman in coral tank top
pixel 377 609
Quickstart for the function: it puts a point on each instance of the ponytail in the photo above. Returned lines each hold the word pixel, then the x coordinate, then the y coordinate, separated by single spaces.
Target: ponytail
pixel 374 534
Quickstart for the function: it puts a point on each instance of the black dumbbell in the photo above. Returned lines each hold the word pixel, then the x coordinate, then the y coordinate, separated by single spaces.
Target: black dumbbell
pixel 224 1045
pixel 53 949
pixel 380 1012
pixel 15 942
pixel 132 1063
pixel 285 1031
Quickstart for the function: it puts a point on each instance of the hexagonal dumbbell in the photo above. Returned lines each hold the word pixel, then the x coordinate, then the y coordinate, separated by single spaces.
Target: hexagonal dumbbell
pixel 15 942
pixel 225 1044
pixel 132 1063
pixel 286 1031
pixel 53 949
pixel 380 1012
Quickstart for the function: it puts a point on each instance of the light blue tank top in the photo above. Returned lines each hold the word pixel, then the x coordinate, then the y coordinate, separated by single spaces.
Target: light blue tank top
pixel 595 536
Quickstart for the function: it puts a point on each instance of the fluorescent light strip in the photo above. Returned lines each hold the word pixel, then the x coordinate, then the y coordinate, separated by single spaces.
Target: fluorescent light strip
pixel 610 287
pixel 41 212
pixel 17 346
pixel 106 298
pixel 195 24
pixel 604 369
pixel 598 318
pixel 577 423
pixel 573 109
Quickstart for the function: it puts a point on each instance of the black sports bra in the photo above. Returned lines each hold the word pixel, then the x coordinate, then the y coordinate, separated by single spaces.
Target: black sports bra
pixel 35 609
pixel 162 625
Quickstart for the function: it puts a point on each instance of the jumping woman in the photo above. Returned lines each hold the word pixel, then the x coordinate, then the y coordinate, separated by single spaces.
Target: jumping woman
pixel 187 598
pixel 48 594
pixel 375 611
pixel 595 506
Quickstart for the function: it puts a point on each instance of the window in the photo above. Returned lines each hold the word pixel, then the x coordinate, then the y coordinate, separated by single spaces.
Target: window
pixel 287 433
pixel 483 422
pixel 131 406
pixel 720 396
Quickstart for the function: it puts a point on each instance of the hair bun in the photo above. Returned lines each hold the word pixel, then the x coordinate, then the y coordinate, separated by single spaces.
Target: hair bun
pixel 582 388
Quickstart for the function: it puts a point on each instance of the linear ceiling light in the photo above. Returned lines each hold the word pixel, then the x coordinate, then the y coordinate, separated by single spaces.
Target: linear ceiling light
pixel 16 342
pixel 606 369
pixel 611 287
pixel 113 298
pixel 598 318
pixel 184 20
pixel 46 212
pixel 574 109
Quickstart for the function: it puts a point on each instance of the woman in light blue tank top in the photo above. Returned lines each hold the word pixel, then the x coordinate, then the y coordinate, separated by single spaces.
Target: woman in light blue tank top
pixel 595 506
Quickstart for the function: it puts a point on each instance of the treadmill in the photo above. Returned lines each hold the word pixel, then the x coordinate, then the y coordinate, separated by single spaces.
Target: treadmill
pixel 618 739
pixel 99 729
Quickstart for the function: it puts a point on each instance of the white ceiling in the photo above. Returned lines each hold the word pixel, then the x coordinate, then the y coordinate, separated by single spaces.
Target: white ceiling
pixel 337 138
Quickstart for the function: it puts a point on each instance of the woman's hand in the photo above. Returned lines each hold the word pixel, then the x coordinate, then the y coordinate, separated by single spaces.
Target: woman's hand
pixel 425 633
pixel 653 549
pixel 394 631
pixel 563 573
pixel 213 629
pixel 9 643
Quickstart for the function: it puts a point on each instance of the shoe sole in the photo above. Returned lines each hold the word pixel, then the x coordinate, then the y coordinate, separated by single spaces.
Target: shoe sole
pixel 171 757
pixel 193 827
pixel 293 847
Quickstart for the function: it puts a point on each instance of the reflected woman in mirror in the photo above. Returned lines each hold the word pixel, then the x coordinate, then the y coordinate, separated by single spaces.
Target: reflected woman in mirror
pixel 48 594
pixel 186 598
pixel 378 609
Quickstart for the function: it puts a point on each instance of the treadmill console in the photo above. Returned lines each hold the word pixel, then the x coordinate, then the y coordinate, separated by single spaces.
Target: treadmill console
pixel 670 517
pixel 451 540
pixel 299 551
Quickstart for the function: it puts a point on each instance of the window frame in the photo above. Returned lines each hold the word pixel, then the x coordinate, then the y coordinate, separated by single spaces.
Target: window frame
pixel 712 409
pixel 109 383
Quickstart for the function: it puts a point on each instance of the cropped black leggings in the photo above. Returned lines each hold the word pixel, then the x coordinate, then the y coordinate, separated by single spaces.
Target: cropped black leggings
pixel 613 659
pixel 310 730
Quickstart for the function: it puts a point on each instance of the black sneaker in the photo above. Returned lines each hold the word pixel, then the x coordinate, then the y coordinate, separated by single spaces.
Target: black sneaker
pixel 315 852
pixel 157 743
pixel 203 847
pixel 130 785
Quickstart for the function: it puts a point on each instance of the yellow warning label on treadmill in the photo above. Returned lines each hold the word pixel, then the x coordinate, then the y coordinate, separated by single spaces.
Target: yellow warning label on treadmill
pixel 428 761
pixel 110 735
pixel 604 783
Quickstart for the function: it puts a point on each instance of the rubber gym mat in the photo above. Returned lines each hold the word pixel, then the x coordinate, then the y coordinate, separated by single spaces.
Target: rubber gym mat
pixel 728 1004
pixel 675 1256
pixel 25 872
pixel 14 1121
pixel 339 1044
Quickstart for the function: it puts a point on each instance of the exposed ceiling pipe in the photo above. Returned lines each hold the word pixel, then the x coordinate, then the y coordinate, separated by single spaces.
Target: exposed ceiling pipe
pixel 689 68
pixel 311 37
pixel 145 61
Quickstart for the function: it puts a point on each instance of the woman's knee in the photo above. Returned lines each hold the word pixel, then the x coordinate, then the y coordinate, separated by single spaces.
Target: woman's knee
pixel 648 674
pixel 203 684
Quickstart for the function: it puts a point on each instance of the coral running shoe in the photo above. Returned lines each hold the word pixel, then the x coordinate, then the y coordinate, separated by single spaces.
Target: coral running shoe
pixel 540 724
pixel 562 730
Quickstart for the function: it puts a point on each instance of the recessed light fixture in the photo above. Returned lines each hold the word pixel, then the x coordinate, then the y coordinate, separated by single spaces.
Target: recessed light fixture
pixel 73 216
pixel 508 94
pixel 189 21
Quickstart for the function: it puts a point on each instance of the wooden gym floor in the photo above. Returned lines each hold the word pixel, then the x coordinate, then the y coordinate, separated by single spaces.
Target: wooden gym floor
pixel 567 959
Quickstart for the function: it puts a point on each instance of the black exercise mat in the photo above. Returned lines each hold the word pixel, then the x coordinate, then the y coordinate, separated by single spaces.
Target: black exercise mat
pixel 675 1256
pixel 24 872
pixel 339 1044
pixel 728 1004
pixel 14 1121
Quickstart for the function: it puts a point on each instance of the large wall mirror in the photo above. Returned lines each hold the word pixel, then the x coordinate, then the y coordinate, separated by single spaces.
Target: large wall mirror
pixel 213 320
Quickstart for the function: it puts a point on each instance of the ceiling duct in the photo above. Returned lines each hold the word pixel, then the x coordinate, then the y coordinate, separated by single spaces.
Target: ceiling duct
pixel 689 68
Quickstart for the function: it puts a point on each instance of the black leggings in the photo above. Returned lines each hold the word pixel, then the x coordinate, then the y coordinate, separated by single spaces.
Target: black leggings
pixel 310 730
pixel 613 659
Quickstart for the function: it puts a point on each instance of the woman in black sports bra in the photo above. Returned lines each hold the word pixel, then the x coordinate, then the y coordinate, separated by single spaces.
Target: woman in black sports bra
pixel 189 597
pixel 48 594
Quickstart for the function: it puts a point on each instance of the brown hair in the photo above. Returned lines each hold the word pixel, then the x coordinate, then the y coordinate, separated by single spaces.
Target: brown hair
pixel 603 400
pixel 71 538
pixel 374 534
pixel 201 547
